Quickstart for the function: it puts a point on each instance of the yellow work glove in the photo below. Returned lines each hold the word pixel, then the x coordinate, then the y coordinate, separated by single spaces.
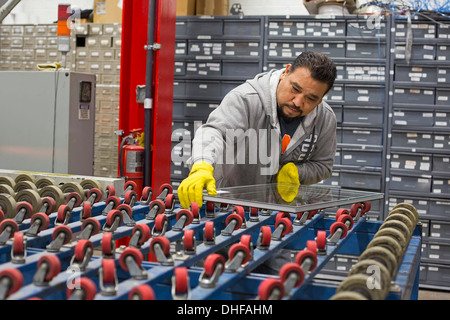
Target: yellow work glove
pixel 191 189
pixel 288 182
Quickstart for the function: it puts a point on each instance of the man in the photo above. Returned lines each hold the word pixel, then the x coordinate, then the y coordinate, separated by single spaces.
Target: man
pixel 280 116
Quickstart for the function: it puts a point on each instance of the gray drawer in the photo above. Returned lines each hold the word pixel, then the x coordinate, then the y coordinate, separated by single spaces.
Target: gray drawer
pixel 366 29
pixel 414 162
pixel 414 95
pixel 441 142
pixel 361 180
pixel 441 163
pixel 442 53
pixel 364 93
pixel 285 49
pixel 365 50
pixel 440 185
pixel 363 115
pixel 412 139
pixel 412 118
pixel 415 73
pixel 336 93
pixel 410 183
pixel 362 136
pixel 418 51
pixel 361 158
pixel 422 205
pixel 439 229
pixel 331 49
pixel 439 207
pixel 442 96
pixel 421 30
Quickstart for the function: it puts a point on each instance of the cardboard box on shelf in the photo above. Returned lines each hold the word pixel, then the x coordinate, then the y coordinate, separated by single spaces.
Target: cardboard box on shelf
pixel 212 7
pixel 186 7
pixel 108 11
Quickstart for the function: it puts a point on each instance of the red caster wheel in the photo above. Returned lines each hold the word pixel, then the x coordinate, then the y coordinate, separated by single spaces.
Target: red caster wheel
pixel 53 266
pixel 75 198
pixel 15 279
pixel 161 223
pixel 169 203
pixel 236 217
pixel 145 233
pixel 246 240
pixel 180 282
pixel 115 201
pixel 271 289
pixel 340 212
pixel 164 244
pixel 184 218
pixel 63 214
pixel 240 211
pixel 239 247
pixel 136 254
pixel 142 292
pixel 130 197
pixel 94 223
pixel 287 226
pixel 212 262
pixel 86 290
pixel 86 210
pixel 338 225
pixel 289 268
pixel 321 240
pixel 311 245
pixel 209 232
pixel 108 244
pixel 95 195
pixel 347 220
pixel 62 229
pixel 147 194
pixel 83 249
pixel 110 191
pixel 108 272
pixel 312 213
pixel 357 208
pixel 44 221
pixel 130 185
pixel 50 205
pixel 18 249
pixel 193 207
pixel 113 216
pixel 302 255
pixel 189 240
pixel 282 215
pixel 265 236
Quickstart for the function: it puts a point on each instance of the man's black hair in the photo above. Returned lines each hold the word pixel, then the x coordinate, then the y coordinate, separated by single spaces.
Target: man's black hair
pixel 321 67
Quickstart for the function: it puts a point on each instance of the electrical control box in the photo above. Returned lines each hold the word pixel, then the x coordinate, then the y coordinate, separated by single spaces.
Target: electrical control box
pixel 47 121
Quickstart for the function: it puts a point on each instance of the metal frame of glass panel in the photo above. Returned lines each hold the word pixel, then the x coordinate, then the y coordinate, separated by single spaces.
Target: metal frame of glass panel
pixel 312 197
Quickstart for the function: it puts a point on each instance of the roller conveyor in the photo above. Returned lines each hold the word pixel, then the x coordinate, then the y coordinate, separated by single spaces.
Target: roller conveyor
pixel 214 252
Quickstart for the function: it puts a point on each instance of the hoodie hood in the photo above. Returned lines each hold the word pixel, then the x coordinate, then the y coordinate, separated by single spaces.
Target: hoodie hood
pixel 266 84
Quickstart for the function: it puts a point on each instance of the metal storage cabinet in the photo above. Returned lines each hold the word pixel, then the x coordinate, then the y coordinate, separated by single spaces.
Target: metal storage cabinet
pixel 213 56
pixel 419 134
pixel 48 121
pixel 359 48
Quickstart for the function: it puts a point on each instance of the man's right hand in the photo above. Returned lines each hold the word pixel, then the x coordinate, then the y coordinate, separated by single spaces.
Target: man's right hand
pixel 191 189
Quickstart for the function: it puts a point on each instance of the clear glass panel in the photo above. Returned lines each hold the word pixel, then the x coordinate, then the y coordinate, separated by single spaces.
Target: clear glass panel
pixel 289 198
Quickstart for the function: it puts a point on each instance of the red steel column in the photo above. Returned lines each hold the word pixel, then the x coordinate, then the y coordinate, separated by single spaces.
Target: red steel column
pixel 133 73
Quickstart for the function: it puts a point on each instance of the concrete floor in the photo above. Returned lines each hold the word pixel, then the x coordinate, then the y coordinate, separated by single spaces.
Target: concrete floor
pixel 433 295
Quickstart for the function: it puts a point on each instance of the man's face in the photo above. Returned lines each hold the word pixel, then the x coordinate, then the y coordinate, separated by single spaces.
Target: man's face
pixel 298 93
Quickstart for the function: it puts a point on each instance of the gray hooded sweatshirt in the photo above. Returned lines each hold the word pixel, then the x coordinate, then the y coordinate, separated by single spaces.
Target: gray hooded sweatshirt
pixel 242 140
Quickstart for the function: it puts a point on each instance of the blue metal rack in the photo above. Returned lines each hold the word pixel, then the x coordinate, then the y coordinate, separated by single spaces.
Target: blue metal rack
pixel 239 281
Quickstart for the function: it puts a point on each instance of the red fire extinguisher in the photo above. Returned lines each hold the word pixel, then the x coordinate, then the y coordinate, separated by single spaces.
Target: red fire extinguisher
pixel 131 160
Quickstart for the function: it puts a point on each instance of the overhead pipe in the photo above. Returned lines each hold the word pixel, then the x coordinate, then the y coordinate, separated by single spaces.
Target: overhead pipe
pixel 7 8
